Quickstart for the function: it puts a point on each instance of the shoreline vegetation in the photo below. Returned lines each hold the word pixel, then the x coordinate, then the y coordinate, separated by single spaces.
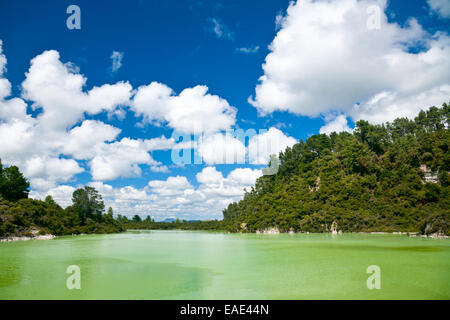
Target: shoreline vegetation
pixel 389 178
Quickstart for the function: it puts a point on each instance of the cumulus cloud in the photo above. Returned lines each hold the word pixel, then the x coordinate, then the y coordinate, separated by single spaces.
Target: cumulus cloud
pixel 57 143
pixel 209 175
pixel 47 147
pixel 324 57
pixel 120 159
pixel 221 148
pixel 61 194
pixel 336 124
pixel 273 141
pixel 53 169
pixel 244 176
pixel 193 110
pixel 81 140
pixel 58 90
pixel 441 7
pixel 109 161
pixel 178 185
pixel 231 147
pixel 175 196
pixel 14 108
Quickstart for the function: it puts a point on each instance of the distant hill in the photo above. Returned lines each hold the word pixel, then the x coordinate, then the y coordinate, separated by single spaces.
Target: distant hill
pixel 390 177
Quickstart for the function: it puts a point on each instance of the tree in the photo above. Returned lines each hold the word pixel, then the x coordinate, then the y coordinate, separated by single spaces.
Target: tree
pixel 88 203
pixel 13 185
pixel 137 218
pixel 49 200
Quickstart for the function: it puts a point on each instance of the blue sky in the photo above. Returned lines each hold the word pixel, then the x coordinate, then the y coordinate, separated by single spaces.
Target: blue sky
pixel 326 68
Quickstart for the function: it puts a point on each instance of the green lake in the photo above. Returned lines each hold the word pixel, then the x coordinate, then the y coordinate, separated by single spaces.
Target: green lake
pixel 209 265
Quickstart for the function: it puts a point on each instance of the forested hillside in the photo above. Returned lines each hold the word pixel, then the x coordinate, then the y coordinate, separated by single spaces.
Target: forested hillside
pixel 391 177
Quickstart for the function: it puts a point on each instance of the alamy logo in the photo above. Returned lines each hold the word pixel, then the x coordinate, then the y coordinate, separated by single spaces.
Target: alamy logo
pixel 74 20
pixel 374 20
pixel 74 280
pixel 236 146
pixel 374 281
pixel 273 167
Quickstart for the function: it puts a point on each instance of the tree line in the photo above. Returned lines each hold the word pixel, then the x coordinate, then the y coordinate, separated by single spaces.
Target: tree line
pixel 22 216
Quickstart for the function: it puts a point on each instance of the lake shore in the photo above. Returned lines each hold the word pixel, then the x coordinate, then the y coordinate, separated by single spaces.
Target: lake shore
pixel 276 231
pixel 272 231
pixel 23 238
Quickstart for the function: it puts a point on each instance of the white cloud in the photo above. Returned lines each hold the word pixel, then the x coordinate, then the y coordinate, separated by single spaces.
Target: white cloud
pixel 120 159
pixel 221 148
pixel 13 108
pixel 193 110
pixel 178 196
pixel 245 176
pixel 390 105
pixel 41 146
pixel 279 20
pixel 53 169
pixel 81 140
pixel 116 60
pixel 49 147
pixel 248 50
pixel 273 141
pixel 18 140
pixel 164 169
pixel 230 148
pixel 50 137
pixel 220 29
pixel 2 60
pixel 441 7
pixel 178 185
pixel 209 175
pixel 336 124
pixel 61 194
pixel 325 58
pixel 219 191
pixel 175 196
pixel 58 90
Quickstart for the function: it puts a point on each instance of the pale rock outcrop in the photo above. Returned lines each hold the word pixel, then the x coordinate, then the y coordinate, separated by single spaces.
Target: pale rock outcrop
pixel 316 186
pixel 272 230
pixel 334 228
pixel 38 237
pixel 429 176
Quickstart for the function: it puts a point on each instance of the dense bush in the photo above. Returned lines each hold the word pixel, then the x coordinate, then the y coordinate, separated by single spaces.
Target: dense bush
pixel 30 217
pixel 370 180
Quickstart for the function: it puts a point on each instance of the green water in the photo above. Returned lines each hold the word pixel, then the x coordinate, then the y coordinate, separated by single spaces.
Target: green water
pixel 203 265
